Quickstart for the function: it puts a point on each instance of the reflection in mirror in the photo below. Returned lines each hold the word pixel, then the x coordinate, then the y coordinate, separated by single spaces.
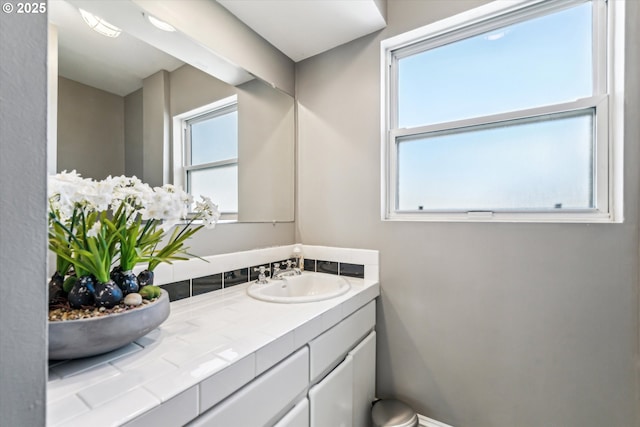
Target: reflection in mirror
pixel 212 169
pixel 116 119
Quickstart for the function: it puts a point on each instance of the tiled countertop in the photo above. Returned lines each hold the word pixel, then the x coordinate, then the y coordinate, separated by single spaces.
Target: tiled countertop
pixel 210 346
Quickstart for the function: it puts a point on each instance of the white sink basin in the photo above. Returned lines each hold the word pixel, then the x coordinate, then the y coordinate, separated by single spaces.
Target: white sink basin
pixel 307 287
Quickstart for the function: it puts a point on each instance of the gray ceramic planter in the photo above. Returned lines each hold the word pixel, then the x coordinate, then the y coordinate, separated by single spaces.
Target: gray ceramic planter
pixel 72 339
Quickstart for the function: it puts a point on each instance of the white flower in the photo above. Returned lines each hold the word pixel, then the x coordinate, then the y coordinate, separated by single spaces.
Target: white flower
pixel 208 212
pixel 94 195
pixel 63 180
pixel 63 191
pixel 70 194
pixel 95 229
pixel 167 203
pixel 131 193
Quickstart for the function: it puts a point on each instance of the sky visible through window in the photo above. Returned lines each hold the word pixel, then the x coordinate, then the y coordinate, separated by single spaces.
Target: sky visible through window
pixel 534 164
pixel 220 184
pixel 212 140
pixel 215 139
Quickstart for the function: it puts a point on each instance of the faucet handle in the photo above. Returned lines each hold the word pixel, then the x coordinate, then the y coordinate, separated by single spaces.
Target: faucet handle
pixel 262 278
pixel 289 263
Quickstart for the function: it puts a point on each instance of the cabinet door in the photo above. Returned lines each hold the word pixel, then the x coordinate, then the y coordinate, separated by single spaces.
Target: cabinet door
pixel 331 400
pixel 297 417
pixel 364 380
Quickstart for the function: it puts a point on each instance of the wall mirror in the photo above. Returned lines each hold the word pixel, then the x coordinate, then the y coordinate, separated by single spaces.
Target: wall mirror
pixel 127 112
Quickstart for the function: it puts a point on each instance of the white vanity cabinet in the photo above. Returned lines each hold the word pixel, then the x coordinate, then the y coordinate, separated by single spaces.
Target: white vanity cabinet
pixel 329 382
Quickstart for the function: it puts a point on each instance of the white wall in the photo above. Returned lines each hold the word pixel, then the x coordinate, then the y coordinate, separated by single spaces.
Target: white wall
pixel 479 324
pixel 23 168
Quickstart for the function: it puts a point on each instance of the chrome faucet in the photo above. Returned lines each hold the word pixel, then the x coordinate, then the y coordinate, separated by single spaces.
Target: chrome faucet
pixel 262 277
pixel 276 269
pixel 292 269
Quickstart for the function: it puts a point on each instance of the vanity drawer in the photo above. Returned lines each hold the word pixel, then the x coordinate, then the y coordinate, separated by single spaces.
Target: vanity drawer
pixel 269 395
pixel 327 350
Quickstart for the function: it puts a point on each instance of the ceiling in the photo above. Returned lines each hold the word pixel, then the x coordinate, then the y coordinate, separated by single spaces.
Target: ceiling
pixel 304 28
pixel 116 65
pixel 298 28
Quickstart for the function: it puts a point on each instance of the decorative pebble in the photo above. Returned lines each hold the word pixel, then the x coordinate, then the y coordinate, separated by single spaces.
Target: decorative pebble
pixel 64 312
pixel 133 299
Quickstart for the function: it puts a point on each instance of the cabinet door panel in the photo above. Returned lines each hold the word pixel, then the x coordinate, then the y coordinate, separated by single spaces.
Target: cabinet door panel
pixel 364 380
pixel 297 417
pixel 331 400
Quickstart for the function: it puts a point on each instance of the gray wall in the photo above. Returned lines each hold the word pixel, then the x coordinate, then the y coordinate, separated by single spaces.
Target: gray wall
pixel 23 151
pixel 94 124
pixel 236 237
pixel 265 153
pixel 479 324
pixel 133 134
pixel 52 99
pixel 90 130
pixel 155 129
pixel 192 88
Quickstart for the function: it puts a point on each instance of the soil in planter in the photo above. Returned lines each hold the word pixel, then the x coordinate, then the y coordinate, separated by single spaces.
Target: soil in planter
pixel 61 311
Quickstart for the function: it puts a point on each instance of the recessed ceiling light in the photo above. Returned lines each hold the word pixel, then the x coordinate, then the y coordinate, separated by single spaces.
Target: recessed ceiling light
pixel 160 24
pixel 100 25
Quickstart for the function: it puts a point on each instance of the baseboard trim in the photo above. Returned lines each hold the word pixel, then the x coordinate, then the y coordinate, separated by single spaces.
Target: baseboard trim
pixel 428 422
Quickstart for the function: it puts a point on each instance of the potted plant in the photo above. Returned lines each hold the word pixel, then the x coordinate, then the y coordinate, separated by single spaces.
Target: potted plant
pixel 100 230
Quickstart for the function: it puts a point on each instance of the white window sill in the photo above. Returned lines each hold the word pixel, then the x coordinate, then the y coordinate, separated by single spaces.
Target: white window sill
pixel 500 217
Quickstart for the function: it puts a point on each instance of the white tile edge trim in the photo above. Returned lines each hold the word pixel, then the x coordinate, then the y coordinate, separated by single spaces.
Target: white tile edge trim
pixel 336 254
pixel 429 422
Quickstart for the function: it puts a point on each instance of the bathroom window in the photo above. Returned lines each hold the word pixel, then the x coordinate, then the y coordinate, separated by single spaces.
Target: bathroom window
pixel 210 154
pixel 508 112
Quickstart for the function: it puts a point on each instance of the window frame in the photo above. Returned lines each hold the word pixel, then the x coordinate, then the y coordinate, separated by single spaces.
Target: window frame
pixel 607 100
pixel 182 144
